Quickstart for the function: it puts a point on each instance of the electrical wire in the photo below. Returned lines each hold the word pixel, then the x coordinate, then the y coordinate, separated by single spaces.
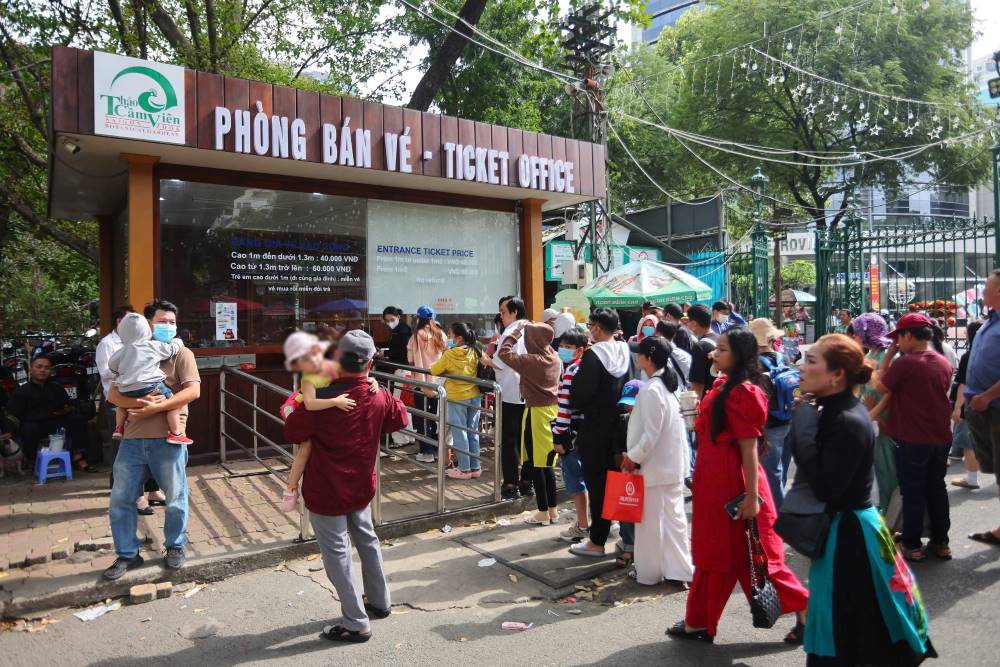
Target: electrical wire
pixel 24 67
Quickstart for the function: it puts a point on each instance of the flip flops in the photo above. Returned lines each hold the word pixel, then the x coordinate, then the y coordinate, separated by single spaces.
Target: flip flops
pixel 678 631
pixel 338 633
pixel 987 537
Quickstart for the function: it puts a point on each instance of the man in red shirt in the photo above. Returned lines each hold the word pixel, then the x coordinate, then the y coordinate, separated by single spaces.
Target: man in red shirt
pixel 917 385
pixel 339 483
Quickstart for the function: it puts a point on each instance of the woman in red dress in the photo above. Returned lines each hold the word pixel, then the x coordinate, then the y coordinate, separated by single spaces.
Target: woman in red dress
pixel 730 425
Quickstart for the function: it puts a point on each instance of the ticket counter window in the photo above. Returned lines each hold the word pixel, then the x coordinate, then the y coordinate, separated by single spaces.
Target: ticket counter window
pixel 246 265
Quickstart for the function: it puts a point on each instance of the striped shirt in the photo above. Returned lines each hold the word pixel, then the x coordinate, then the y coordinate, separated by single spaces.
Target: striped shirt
pixel 566 416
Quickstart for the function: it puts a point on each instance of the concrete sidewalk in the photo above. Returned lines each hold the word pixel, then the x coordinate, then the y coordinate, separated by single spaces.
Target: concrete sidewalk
pixel 55 538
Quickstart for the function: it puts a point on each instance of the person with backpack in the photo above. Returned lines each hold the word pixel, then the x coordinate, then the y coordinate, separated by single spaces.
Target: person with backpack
pixel 782 385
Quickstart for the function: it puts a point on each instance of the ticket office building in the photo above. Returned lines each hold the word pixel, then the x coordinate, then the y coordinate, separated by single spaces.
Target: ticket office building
pixel 259 208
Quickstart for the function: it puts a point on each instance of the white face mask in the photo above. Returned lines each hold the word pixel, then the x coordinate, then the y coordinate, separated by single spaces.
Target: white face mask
pixel 392 324
pixel 721 318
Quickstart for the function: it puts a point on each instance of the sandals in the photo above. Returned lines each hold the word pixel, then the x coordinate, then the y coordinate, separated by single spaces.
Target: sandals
pixel 913 555
pixel 941 551
pixel 796 635
pixel 678 631
pixel 338 633
pixel 625 559
pixel 988 537
pixel 374 611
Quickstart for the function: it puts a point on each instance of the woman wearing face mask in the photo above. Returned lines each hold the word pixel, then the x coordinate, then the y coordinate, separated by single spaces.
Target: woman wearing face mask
pixel 392 317
pixel 868 609
pixel 424 348
pixel 730 426
pixel 462 359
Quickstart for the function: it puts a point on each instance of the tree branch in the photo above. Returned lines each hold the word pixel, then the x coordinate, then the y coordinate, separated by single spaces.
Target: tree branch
pixel 116 12
pixel 170 31
pixel 68 239
pixel 446 56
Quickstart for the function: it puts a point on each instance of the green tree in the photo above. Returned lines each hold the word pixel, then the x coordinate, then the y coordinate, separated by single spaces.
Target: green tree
pixel 799 275
pixel 917 53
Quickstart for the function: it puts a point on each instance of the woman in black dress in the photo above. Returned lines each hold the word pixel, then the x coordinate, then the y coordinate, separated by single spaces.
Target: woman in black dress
pixel 864 605
pixel 400 336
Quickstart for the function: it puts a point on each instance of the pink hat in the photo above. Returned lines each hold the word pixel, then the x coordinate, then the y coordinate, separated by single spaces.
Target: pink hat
pixel 300 344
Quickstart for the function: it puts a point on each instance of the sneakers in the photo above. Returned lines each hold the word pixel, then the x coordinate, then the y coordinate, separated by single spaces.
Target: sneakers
pixel 425 458
pixel 118 433
pixel 179 439
pixel 121 566
pixel 476 474
pixel 175 558
pixel 574 533
pixel 509 493
pixel 289 501
pixel 962 482
pixel 455 473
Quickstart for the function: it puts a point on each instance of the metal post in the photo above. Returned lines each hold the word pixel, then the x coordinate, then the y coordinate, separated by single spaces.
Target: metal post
pixel 377 505
pixel 497 441
pixel 256 455
pixel 442 445
pixel 996 205
pixel 759 242
pixel 222 416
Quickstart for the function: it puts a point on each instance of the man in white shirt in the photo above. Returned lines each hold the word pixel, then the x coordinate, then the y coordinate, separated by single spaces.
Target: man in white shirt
pixel 515 480
pixel 107 347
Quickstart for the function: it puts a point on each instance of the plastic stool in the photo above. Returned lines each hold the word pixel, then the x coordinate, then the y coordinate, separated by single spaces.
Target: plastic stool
pixel 44 458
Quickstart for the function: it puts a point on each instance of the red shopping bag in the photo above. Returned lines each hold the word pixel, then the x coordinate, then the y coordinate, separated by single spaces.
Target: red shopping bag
pixel 623 495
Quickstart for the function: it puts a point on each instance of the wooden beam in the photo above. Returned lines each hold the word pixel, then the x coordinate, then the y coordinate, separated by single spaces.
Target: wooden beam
pixel 532 263
pixel 141 225
pixel 106 273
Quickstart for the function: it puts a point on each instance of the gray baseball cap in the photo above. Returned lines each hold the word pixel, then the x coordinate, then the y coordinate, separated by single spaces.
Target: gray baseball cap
pixel 356 346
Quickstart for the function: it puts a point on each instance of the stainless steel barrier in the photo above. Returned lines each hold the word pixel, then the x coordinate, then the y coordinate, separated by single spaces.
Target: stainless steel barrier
pixel 254 443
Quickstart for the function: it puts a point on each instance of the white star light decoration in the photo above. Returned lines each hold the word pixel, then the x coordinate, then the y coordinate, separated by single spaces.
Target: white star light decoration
pixel 810 109
pixel 936 132
pixel 832 116
pixel 908 132
pixel 876 129
pixel 771 80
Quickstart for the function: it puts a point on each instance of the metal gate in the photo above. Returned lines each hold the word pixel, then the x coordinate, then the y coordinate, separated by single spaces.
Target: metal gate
pixel 900 264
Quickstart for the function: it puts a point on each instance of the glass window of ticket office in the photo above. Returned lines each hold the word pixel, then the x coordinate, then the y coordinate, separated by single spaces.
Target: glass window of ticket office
pixel 246 265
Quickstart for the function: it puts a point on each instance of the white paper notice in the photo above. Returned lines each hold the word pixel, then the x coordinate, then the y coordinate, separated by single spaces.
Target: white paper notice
pixel 225 320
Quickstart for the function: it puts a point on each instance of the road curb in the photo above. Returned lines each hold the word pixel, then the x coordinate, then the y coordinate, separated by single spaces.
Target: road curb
pixel 36 597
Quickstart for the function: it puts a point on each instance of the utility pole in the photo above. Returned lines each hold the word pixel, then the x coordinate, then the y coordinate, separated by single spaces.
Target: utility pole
pixel 779 311
pixel 589 43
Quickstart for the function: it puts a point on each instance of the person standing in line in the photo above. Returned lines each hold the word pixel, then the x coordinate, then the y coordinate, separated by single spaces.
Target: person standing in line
pixel 647 323
pixel 658 450
pixel 464 399
pixel 776 427
pixel 683 340
pixel 680 361
pixel 871 329
pixel 962 440
pixel 105 348
pixel 725 317
pixel 340 484
pixel 916 394
pixel 564 430
pixel 864 605
pixel 730 427
pixel 982 394
pixel 516 478
pixel 399 336
pixel 700 324
pixel 424 348
pixel 595 393
pixel 843 322
pixel 540 370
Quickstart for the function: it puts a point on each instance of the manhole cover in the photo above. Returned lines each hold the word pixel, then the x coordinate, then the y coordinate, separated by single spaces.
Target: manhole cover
pixel 538 553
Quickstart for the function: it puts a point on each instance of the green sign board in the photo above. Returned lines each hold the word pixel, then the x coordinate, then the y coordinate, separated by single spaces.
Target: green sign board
pixel 558 251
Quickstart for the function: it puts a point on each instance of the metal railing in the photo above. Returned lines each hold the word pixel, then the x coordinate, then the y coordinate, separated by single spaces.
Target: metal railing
pixel 247 431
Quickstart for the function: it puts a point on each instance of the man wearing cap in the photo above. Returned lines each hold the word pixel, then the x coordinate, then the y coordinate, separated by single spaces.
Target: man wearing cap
pixel 982 393
pixel 340 483
pixel 917 386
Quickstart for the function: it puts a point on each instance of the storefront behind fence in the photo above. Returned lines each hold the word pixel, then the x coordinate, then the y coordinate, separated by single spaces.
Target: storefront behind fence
pixel 260 208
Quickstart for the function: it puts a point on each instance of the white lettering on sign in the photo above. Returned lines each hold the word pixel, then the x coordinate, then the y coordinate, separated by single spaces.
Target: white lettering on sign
pixel 541 173
pixel 397 152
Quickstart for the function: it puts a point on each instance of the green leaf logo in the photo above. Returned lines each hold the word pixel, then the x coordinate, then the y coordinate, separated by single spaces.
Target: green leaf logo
pixel 151 101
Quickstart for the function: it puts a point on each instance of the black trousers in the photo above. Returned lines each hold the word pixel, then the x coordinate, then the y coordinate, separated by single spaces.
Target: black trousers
pixel 921 470
pixel 423 426
pixel 32 433
pixel 544 477
pixel 510 447
pixel 597 457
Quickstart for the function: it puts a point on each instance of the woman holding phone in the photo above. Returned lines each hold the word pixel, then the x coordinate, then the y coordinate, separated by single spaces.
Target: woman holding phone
pixel 730 429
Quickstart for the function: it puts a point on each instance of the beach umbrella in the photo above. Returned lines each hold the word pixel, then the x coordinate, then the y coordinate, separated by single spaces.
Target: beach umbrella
pixel 629 285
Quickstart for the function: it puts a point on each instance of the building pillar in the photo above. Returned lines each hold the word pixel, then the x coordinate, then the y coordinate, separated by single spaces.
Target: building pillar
pixel 106 273
pixel 532 262
pixel 141 225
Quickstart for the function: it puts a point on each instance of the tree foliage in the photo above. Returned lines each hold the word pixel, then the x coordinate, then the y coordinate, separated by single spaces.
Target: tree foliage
pixel 916 53
pixel 799 274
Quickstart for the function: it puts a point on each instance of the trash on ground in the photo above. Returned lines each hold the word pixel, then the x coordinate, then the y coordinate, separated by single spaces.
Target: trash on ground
pixel 98 611
pixel 553 613
pixel 312 556
pixel 194 591
pixel 147 619
pixel 503 522
pixel 200 611
pixel 446 528
pixel 207 628
pixel 569 599
pixel 487 562
pixel 300 593
pixel 516 626
pixel 575 612
pixel 512 577
pixel 281 566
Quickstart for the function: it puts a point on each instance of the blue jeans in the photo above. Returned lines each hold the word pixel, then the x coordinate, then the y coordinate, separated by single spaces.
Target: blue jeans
pixel 627 533
pixel 137 460
pixel 774 462
pixel 159 387
pixel 466 414
pixel 572 472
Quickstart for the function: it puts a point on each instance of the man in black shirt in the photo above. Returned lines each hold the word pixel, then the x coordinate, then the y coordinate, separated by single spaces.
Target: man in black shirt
pixel 40 407
pixel 683 339
pixel 701 365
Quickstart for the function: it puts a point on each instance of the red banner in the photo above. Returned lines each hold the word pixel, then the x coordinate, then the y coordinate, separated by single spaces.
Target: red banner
pixel 876 294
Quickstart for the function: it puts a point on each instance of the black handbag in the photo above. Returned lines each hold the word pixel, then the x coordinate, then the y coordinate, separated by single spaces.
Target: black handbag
pixel 765 607
pixel 803 520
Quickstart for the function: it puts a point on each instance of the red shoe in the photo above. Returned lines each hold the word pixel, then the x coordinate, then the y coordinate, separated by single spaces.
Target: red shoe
pixel 119 433
pixel 178 439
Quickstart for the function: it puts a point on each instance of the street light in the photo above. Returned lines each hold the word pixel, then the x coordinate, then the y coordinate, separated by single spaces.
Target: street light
pixel 758 183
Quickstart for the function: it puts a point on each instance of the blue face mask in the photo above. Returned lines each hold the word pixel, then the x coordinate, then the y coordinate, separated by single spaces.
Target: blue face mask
pixel 648 331
pixel 566 354
pixel 451 343
pixel 164 332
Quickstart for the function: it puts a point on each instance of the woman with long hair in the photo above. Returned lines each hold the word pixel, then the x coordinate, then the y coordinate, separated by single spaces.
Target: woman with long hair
pixel 870 331
pixel 730 427
pixel 865 608
pixel 462 359
pixel 425 347
pixel 399 335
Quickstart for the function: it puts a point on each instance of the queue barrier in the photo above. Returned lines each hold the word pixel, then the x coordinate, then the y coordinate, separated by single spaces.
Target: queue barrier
pixel 249 421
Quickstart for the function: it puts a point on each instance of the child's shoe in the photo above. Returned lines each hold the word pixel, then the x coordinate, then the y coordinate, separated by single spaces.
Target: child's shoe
pixel 179 439
pixel 289 501
pixel 119 433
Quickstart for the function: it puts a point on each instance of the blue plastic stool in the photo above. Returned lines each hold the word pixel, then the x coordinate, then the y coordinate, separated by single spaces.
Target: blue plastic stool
pixel 42 461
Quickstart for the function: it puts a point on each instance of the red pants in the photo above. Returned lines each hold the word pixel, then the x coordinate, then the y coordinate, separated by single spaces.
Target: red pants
pixel 710 591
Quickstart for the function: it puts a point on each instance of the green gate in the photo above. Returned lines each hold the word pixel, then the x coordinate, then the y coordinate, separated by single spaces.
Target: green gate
pixel 934 265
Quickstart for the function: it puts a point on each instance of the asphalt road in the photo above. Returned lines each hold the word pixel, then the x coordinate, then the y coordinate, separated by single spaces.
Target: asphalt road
pixel 449 611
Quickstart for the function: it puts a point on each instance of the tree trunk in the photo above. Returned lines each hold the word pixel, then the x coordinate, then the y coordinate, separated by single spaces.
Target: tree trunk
pixel 446 56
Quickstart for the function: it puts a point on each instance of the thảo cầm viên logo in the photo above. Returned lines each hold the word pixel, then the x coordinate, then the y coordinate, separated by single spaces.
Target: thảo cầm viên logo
pixel 153 105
